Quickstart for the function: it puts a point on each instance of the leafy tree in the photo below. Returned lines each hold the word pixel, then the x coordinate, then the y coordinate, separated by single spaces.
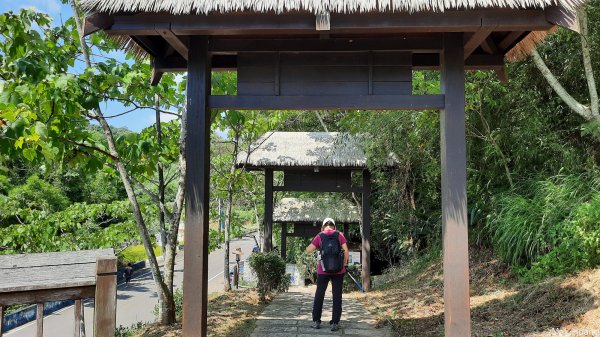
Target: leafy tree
pixel 37 194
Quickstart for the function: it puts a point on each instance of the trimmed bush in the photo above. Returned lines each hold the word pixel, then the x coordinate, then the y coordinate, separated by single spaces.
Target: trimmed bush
pixel 135 254
pixel 270 273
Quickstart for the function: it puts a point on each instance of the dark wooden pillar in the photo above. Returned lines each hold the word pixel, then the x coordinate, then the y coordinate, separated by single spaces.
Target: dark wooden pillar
pixel 283 240
pixel 366 232
pixel 346 230
pixel 454 190
pixel 268 223
pixel 195 276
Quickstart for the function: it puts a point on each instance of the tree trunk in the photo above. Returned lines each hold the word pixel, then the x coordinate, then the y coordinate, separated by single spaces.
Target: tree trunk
pixel 161 289
pixel 587 62
pixel 161 178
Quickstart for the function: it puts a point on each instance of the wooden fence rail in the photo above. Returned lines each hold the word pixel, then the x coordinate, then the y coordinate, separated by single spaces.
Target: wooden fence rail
pixel 40 278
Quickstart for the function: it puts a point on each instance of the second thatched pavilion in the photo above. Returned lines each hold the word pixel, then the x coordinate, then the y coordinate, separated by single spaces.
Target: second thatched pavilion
pixel 312 162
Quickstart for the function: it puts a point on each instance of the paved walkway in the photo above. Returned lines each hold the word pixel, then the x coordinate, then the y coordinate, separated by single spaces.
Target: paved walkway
pixel 289 315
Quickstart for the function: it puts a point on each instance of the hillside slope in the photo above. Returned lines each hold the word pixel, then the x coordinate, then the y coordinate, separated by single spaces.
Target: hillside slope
pixel 411 300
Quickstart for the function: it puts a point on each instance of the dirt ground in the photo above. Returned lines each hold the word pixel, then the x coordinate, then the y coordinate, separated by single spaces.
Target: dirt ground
pixel 412 302
pixel 229 315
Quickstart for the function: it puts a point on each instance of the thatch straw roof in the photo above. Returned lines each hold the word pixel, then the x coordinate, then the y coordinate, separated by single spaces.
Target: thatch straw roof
pixel 304 149
pixel 313 6
pixel 315 211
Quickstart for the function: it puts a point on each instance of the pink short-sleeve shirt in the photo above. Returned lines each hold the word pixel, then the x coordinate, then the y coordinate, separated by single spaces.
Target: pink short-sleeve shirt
pixel 317 243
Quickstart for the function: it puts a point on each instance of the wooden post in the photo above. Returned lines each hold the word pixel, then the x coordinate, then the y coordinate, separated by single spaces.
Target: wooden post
pixel 454 190
pixel 1 319
pixel 77 317
pixel 346 230
pixel 268 223
pixel 105 308
pixel 366 232
pixel 195 276
pixel 283 240
pixel 40 320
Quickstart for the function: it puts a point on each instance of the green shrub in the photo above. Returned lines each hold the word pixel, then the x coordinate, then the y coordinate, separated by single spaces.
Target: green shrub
pixel 551 231
pixel 135 254
pixel 307 266
pixel 270 273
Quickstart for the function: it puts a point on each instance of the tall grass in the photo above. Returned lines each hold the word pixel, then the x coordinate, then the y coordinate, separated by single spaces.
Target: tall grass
pixel 532 222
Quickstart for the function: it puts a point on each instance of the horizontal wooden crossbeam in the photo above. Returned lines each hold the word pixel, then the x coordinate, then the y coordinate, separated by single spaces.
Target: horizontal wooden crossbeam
pixel 313 188
pixel 303 23
pixel 375 102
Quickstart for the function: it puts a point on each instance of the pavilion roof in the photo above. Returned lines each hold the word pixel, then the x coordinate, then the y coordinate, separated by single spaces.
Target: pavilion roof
pixel 315 210
pixel 304 149
pixel 179 7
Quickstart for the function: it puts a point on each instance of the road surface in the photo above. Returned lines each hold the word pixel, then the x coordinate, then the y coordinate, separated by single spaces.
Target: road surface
pixel 134 303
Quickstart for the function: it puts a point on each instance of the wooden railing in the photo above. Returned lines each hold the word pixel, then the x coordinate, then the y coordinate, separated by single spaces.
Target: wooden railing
pixel 40 278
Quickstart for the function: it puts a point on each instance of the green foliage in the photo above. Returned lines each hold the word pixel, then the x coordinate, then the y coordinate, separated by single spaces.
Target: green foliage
pixel 552 230
pixel 135 254
pixel 307 267
pixel 270 272
pixel 349 285
pixel 80 226
pixel 36 194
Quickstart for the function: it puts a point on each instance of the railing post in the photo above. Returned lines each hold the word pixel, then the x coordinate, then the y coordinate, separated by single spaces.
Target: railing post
pixel 105 311
pixel 40 320
pixel 1 319
pixel 77 317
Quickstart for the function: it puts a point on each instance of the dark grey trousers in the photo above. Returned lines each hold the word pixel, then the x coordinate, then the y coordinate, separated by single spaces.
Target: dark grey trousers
pixel 336 283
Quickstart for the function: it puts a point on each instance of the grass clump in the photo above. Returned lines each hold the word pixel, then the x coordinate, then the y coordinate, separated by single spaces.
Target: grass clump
pixel 551 231
pixel 135 254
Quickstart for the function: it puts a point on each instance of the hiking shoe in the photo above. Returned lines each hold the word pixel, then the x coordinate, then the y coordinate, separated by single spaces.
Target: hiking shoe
pixel 316 325
pixel 334 327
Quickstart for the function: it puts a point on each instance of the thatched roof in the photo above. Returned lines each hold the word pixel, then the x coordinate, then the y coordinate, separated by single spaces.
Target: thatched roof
pixel 304 149
pixel 315 211
pixel 314 6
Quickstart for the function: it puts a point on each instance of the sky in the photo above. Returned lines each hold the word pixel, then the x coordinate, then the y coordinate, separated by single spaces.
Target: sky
pixel 135 121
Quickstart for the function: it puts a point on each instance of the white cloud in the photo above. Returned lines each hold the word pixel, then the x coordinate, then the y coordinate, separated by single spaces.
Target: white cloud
pixel 52 7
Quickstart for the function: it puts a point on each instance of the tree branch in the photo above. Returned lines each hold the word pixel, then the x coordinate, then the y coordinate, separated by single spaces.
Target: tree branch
pixel 577 107
pixel 587 62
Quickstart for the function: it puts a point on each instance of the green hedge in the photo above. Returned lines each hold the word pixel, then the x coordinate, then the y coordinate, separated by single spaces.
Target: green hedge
pixel 135 254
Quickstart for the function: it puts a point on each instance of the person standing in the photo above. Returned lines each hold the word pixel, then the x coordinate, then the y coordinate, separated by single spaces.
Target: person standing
pixel 331 267
pixel 128 273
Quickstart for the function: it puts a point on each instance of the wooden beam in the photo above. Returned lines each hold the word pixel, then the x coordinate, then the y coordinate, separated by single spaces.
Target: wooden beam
pixel 195 278
pixel 501 74
pixel 428 61
pixel 317 189
pixel 173 40
pixel 39 319
pixel 252 24
pixel 366 231
pixel 46 295
pixel 432 43
pixel 96 22
pixel 268 217
pixel 489 46
pixel 475 40
pixel 454 191
pixel 509 41
pixel 374 102
pixel 105 303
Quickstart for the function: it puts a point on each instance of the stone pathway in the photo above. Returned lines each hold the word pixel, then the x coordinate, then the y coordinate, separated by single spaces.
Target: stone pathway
pixel 290 315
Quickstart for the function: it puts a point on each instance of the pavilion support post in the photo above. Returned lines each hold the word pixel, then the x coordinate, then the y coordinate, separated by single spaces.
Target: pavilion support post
pixel 197 154
pixel 366 232
pixel 454 190
pixel 268 222
pixel 346 229
pixel 283 240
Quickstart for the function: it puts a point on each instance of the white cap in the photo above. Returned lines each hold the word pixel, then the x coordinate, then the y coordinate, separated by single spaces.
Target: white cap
pixel 328 220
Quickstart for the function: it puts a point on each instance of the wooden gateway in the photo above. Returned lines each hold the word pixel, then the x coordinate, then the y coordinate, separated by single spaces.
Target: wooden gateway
pixel 312 162
pixel 329 54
